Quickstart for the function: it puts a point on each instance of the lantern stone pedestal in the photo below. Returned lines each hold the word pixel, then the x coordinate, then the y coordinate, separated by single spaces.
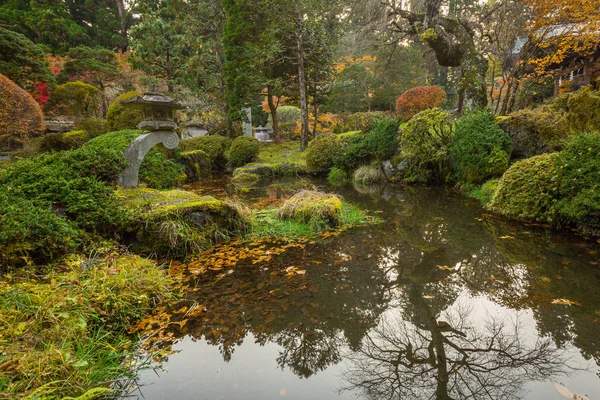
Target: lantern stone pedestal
pixel 158 113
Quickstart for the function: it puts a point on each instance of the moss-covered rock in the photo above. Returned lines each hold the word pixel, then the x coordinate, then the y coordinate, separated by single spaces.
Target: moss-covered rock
pixel 528 190
pixel 196 163
pixel 311 206
pixel 271 170
pixel 215 147
pixel 178 223
pixel 242 178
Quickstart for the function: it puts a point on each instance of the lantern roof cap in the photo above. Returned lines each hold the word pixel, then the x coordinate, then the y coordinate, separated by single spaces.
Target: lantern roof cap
pixel 153 99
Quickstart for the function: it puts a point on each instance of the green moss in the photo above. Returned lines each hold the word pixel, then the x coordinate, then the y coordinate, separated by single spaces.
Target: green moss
pixel 528 190
pixel 309 206
pixel 271 170
pixel 179 223
pixel 196 163
pixel 215 147
pixel 242 178
pixel 243 150
pixel 93 126
pixel 346 135
pixel 284 153
pixel 320 153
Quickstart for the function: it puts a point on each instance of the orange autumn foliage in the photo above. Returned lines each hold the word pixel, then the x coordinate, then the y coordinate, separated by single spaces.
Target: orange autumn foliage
pixel 418 99
pixel 564 28
pixel 20 115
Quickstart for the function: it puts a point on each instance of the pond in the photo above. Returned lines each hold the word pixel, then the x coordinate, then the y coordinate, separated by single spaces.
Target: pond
pixel 439 301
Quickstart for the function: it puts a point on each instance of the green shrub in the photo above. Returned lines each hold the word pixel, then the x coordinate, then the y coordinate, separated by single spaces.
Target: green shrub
pixel 479 149
pixel 119 117
pixel 320 153
pixel 93 126
pixel 368 174
pixel 337 176
pixel 353 153
pixel 62 141
pixel 63 195
pixel 424 144
pixel 536 131
pixel 77 99
pixel 243 150
pixel 528 189
pixel 363 121
pixel 383 140
pixel 285 115
pixel 544 129
pixel 579 174
pixel 215 147
pixel 157 169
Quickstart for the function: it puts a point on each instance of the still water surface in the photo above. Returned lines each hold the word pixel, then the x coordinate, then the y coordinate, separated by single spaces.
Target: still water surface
pixel 440 301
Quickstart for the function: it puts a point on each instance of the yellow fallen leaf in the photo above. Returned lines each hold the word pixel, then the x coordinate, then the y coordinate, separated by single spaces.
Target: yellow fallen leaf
pixel 301 272
pixel 428 297
pixel 445 268
pixel 506 237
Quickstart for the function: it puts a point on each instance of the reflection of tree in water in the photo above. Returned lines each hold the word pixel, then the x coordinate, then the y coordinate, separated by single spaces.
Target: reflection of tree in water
pixel 445 252
pixel 452 359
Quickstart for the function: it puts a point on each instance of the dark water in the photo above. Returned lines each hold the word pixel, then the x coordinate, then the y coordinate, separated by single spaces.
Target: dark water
pixel 440 301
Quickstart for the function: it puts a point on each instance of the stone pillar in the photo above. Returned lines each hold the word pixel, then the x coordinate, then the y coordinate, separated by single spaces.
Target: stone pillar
pixel 247 126
pixel 137 150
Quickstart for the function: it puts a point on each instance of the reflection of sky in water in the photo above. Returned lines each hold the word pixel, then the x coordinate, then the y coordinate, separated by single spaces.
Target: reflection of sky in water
pixel 433 262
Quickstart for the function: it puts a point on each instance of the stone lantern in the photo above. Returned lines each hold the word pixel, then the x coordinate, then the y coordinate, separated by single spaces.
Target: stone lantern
pixel 158 111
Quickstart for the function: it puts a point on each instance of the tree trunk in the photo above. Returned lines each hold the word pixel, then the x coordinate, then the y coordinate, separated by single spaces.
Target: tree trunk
pixel 273 110
pixel 302 81
pixel 123 22
pixel 315 109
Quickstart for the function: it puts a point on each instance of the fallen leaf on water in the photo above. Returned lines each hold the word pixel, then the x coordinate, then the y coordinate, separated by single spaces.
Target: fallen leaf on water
pixel 506 237
pixel 545 279
pixel 428 297
pixel 597 313
pixel 445 268
pixel 566 302
pixel 563 390
pixel 492 278
pixel 301 272
pixel 282 392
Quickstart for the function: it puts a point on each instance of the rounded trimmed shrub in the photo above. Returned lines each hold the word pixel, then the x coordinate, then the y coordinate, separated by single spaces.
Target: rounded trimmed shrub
pixel 479 149
pixel 528 190
pixel 93 126
pixel 63 141
pixel 320 153
pixel 311 206
pixel 215 147
pixel 77 99
pixel 579 171
pixel 424 144
pixel 119 117
pixel 20 115
pixel 383 140
pixel 418 99
pixel 243 150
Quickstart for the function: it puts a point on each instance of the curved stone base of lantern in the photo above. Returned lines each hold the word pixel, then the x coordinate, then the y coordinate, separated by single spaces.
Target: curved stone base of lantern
pixel 137 150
